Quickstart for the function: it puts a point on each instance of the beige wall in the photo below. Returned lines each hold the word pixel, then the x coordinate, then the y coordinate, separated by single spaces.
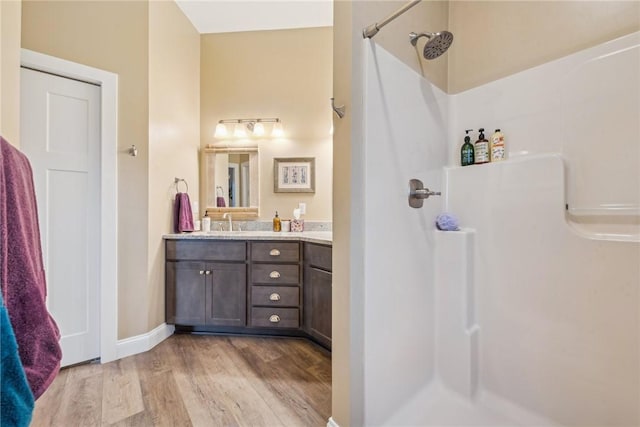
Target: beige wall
pixel 342 396
pixel 285 74
pixel 174 131
pixel 10 12
pixel 495 39
pixel 112 36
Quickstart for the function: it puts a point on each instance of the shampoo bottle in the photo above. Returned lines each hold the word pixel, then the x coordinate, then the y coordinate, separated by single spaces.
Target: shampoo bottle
pixel 466 152
pixel 498 152
pixel 277 226
pixel 481 149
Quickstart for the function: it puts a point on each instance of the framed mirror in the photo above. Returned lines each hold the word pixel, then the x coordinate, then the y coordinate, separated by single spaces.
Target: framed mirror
pixel 231 182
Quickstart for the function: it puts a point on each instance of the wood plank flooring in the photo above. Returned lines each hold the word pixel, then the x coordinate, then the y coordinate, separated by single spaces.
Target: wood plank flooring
pixel 197 380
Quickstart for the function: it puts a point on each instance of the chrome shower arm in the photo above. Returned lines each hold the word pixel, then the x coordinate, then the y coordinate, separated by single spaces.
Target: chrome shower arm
pixel 373 29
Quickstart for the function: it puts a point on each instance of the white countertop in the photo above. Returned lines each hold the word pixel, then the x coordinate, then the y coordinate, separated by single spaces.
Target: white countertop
pixel 321 237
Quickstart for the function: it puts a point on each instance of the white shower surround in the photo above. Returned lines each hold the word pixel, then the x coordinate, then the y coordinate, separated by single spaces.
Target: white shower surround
pixel 523 321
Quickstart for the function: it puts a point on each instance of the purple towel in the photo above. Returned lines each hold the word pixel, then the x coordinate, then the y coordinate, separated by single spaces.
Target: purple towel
pixel 22 274
pixel 182 216
pixel 220 202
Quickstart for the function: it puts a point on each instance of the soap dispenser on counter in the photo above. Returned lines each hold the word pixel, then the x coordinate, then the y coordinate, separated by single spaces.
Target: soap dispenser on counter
pixel 277 225
pixel 467 156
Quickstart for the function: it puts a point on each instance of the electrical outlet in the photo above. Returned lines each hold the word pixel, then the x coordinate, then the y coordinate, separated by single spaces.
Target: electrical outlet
pixel 303 208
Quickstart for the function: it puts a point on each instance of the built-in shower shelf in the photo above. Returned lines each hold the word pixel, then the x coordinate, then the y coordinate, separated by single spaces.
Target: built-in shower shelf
pixel 606 210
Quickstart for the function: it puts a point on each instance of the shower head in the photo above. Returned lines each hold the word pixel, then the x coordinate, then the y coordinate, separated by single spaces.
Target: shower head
pixel 437 44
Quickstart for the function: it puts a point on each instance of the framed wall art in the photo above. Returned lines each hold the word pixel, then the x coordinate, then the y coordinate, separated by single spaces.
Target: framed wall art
pixel 294 175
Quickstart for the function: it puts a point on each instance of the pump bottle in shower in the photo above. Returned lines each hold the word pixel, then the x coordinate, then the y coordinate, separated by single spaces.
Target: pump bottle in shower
pixel 466 152
pixel 481 149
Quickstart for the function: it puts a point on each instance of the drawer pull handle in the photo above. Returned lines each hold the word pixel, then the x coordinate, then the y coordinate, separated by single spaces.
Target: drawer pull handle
pixel 274 297
pixel 201 271
pixel 274 275
pixel 274 252
pixel 274 318
pixel 207 272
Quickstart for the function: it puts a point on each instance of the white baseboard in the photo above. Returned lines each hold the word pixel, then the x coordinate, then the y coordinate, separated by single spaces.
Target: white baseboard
pixel 332 423
pixel 144 342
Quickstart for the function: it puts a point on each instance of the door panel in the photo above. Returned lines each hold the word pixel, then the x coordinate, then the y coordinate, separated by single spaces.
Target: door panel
pixel 227 294
pixel 60 134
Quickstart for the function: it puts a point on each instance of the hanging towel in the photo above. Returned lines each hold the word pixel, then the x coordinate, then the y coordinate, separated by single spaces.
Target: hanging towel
pixel 183 218
pixel 24 287
pixel 16 399
pixel 220 198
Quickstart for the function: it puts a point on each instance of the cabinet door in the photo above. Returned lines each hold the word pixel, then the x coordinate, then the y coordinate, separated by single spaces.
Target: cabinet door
pixel 226 298
pixel 317 288
pixel 185 303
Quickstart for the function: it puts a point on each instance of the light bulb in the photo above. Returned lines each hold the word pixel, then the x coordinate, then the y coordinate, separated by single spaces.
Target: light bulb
pixel 258 129
pixel 221 131
pixel 277 130
pixel 239 131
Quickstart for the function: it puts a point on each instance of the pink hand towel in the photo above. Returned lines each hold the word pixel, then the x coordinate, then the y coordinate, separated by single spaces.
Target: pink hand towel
pixel 22 273
pixel 182 216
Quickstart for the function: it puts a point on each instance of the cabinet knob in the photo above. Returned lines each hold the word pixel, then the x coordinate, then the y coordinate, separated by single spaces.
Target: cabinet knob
pixel 274 275
pixel 274 318
pixel 274 297
pixel 207 272
pixel 201 272
pixel 274 252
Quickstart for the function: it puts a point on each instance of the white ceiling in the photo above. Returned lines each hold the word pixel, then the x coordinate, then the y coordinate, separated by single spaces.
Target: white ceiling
pixel 223 16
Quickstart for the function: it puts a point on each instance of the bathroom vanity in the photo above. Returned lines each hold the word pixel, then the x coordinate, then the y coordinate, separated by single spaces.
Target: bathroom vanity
pixel 250 283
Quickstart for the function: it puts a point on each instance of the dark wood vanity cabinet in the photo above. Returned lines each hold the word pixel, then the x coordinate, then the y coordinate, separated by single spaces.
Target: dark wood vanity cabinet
pixel 317 292
pixel 239 286
pixel 206 283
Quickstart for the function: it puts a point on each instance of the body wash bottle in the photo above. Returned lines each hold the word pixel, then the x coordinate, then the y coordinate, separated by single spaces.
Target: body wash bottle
pixel 466 152
pixel 481 149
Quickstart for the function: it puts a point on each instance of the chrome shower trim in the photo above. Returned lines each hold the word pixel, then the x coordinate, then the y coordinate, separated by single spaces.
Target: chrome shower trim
pixel 371 30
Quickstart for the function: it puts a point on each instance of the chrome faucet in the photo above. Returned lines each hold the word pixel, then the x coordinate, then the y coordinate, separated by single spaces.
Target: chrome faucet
pixel 228 215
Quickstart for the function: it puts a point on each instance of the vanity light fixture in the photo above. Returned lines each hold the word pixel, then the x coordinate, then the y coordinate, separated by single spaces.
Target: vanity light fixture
pixel 255 126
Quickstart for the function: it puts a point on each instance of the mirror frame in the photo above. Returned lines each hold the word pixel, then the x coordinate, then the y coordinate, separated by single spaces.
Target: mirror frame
pixel 208 185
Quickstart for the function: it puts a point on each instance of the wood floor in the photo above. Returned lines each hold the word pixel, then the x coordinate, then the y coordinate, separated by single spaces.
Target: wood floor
pixel 197 380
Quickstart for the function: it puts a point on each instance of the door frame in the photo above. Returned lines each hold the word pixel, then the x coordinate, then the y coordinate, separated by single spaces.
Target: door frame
pixel 108 274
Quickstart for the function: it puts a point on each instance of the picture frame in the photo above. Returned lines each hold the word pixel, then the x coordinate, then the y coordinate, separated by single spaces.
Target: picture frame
pixel 294 175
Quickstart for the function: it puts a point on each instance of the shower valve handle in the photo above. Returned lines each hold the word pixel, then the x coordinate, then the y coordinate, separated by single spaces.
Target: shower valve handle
pixel 417 193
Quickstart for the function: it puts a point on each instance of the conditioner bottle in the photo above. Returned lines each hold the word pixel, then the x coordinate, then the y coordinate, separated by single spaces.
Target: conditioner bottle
pixel 481 149
pixel 498 152
pixel 466 152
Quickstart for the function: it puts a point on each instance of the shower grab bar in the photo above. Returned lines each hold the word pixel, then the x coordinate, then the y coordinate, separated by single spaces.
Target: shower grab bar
pixel 373 29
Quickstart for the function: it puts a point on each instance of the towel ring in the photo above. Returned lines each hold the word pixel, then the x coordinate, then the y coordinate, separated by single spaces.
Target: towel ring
pixel 177 181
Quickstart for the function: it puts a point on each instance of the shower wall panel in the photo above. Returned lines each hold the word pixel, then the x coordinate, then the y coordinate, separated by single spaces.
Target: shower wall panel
pixel 558 311
pixel 405 137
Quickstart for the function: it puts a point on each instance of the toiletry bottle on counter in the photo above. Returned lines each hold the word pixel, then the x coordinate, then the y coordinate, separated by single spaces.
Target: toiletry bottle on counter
pixel 481 149
pixel 498 152
pixel 466 152
pixel 277 226
pixel 206 222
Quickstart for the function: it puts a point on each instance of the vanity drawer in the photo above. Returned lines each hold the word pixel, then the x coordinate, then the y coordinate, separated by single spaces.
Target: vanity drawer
pixel 275 296
pixel 318 256
pixel 275 317
pixel 275 273
pixel 275 251
pixel 206 250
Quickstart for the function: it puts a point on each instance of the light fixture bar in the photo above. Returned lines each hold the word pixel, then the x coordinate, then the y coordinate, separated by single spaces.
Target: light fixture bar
pixel 269 120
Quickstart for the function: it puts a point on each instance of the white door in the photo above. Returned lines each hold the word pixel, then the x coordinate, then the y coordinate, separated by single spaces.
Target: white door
pixel 60 134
